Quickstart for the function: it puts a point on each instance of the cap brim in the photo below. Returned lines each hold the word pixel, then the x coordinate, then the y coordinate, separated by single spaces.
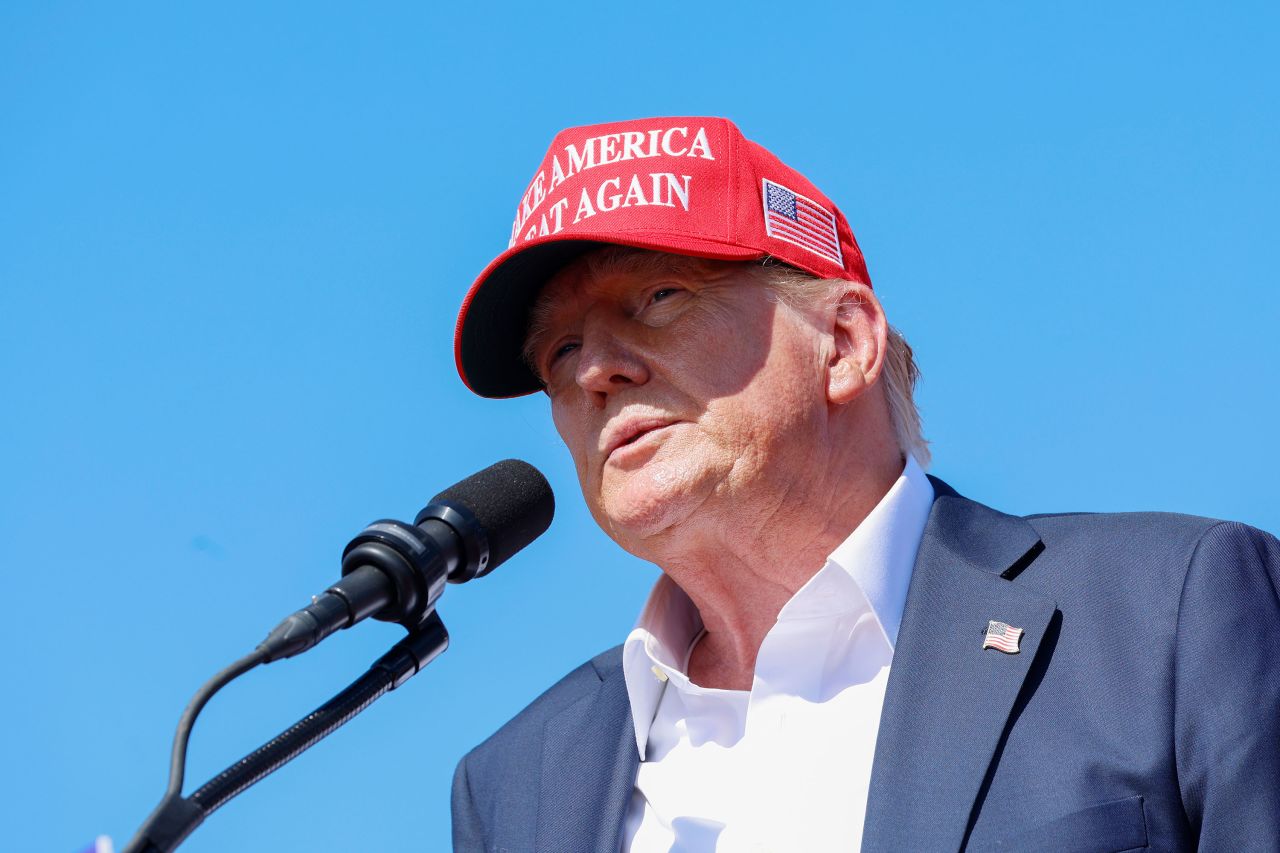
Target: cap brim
pixel 489 339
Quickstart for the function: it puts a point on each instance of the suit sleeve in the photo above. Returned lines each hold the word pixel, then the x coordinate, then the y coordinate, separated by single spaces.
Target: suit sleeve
pixel 1227 690
pixel 468 833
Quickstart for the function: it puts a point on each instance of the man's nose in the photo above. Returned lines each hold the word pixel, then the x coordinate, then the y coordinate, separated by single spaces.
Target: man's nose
pixel 608 362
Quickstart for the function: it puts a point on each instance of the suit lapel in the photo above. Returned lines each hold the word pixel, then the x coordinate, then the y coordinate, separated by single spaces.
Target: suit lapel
pixel 948 700
pixel 589 764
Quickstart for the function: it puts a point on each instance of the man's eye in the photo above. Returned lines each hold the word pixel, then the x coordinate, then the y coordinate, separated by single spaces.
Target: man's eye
pixel 663 293
pixel 561 351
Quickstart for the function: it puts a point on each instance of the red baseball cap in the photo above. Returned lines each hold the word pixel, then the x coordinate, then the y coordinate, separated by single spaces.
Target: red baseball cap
pixel 689 186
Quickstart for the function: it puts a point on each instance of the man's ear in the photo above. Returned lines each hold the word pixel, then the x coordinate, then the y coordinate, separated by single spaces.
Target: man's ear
pixel 860 336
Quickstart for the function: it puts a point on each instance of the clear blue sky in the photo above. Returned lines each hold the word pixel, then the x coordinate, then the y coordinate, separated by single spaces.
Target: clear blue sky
pixel 233 239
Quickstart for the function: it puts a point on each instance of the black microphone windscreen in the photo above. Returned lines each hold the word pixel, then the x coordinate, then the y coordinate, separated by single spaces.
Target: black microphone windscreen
pixel 511 500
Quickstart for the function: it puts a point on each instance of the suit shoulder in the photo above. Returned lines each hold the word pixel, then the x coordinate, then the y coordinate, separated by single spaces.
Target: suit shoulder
pixel 1166 530
pixel 1159 524
pixel 523 730
pixel 1133 547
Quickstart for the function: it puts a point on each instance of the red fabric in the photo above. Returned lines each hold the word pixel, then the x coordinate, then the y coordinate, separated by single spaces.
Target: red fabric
pixel 690 186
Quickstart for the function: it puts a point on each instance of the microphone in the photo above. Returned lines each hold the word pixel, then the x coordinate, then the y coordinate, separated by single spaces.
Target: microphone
pixel 396 572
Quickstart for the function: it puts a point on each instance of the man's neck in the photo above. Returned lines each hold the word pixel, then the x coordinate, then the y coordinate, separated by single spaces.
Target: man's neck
pixel 740 572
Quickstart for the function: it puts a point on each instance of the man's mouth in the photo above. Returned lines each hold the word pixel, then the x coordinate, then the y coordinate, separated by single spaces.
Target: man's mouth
pixel 629 432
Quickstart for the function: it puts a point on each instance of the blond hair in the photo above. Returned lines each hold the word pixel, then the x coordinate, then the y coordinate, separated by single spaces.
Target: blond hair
pixel 900 372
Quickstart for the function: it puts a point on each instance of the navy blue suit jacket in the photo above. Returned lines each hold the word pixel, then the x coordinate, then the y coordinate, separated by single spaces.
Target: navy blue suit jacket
pixel 1142 712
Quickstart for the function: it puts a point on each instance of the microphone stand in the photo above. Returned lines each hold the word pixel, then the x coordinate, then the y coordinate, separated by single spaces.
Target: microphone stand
pixel 177 817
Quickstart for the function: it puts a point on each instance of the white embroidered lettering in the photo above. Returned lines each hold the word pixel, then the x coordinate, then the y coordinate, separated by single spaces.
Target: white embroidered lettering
pixel 672 190
pixel 612 202
pixel 584 208
pixel 635 193
pixel 700 144
pixel 666 141
pixel 609 148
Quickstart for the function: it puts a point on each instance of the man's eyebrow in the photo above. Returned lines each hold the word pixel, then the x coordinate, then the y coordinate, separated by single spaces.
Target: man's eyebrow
pixel 613 260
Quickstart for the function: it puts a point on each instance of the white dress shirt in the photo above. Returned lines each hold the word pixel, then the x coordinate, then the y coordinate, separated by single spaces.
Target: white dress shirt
pixel 787 765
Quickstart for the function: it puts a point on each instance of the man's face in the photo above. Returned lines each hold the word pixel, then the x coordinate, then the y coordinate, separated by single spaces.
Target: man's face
pixel 685 392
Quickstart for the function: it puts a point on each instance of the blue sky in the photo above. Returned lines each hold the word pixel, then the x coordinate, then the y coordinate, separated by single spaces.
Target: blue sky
pixel 233 240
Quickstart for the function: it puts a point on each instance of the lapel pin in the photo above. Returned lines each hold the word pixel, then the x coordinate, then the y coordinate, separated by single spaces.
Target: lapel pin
pixel 1002 637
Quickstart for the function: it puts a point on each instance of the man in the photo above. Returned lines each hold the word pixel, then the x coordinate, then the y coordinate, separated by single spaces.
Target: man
pixel 841 651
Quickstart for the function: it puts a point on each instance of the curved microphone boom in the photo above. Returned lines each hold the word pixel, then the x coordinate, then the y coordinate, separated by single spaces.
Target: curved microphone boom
pixel 391 571
pixel 395 571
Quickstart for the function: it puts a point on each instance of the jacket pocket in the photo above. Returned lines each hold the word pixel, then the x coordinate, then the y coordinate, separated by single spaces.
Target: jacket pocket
pixel 1113 827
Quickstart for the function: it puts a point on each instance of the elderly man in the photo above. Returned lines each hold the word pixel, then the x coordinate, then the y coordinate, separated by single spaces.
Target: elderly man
pixel 841 651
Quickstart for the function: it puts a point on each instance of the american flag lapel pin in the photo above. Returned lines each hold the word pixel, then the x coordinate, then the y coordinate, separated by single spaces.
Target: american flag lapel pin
pixel 1002 637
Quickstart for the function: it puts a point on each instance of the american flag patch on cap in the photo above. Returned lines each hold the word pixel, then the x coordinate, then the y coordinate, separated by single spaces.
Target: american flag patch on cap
pixel 1002 637
pixel 792 217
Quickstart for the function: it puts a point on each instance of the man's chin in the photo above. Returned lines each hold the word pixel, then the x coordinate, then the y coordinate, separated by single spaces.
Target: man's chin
pixel 641 509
